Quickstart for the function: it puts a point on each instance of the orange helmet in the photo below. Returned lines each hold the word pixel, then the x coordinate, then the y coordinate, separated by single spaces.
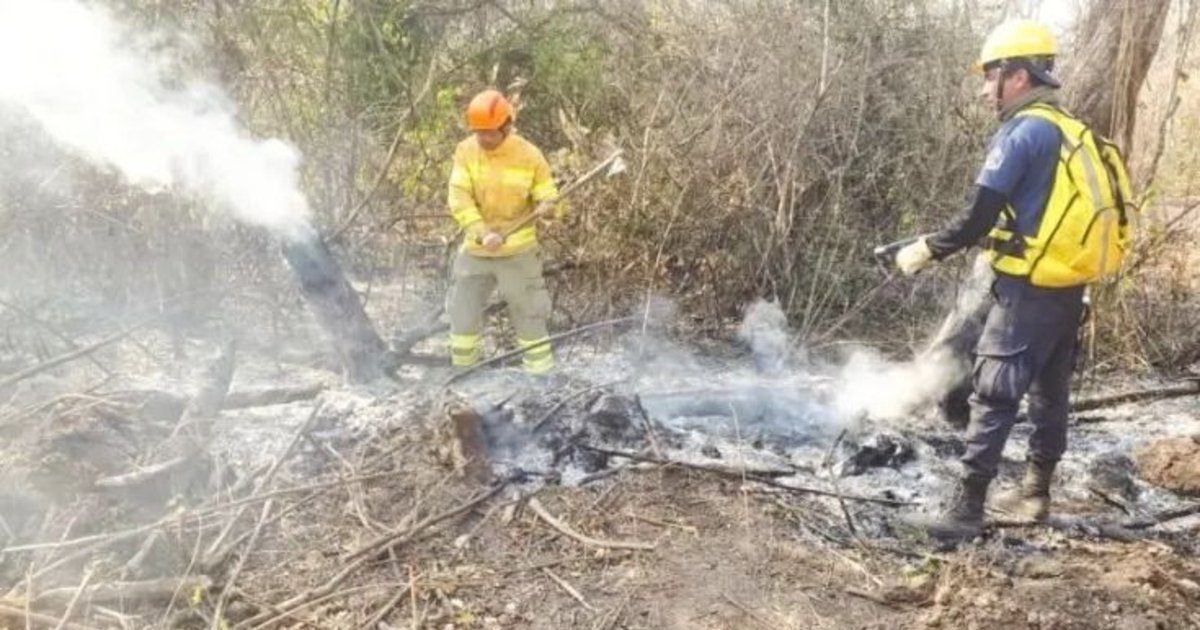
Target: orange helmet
pixel 488 110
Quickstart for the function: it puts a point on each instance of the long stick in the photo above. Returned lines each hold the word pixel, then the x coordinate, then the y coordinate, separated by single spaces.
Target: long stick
pixel 1157 393
pixel 566 191
pixel 66 618
pixel 74 354
pixel 752 476
pixel 54 331
pixel 218 621
pixel 565 529
pixel 16 613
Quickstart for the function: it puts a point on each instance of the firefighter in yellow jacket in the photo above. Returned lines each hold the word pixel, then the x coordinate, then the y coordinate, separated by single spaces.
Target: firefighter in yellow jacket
pixel 498 180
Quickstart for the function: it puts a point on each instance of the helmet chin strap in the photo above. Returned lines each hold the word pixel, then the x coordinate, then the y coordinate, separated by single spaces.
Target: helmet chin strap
pixel 1000 86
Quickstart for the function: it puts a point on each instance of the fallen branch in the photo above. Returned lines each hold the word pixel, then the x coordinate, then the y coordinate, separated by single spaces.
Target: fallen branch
pixel 66 618
pixel 139 477
pixel 292 614
pixel 566 530
pixel 134 565
pixel 211 556
pixel 361 557
pixel 24 616
pixel 871 597
pixel 1192 388
pixel 219 614
pixel 392 539
pixel 570 590
pixel 750 475
pixel 74 354
pixel 731 471
pixel 387 608
pixel 258 498
pixel 271 396
pixel 1162 517
pixel 140 591
pixel 54 331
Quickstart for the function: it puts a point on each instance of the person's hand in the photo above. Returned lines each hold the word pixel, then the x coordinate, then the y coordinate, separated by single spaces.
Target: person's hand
pixel 915 257
pixel 492 241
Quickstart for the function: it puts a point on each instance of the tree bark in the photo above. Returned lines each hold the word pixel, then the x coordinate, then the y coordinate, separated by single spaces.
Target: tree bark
pixel 363 354
pixel 1116 41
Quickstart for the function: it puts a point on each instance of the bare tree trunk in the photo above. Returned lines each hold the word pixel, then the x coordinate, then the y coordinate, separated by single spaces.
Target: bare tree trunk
pixel 363 354
pixel 1116 41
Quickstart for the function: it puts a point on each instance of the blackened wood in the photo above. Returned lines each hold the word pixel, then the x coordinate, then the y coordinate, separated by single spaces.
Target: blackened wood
pixel 362 353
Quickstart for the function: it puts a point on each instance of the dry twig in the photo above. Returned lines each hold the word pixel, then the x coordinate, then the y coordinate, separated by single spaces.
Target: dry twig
pixel 75 354
pixel 570 590
pixel 754 476
pixel 357 559
pixel 27 616
pixel 66 618
pixel 563 528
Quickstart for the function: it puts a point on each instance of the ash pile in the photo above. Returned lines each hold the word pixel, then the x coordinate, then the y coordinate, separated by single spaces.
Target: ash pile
pixel 857 437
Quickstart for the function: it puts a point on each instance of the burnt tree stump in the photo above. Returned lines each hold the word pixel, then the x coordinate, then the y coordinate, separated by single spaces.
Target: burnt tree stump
pixel 361 351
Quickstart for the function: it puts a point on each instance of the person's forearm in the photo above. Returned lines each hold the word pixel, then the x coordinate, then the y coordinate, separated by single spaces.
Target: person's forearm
pixel 970 226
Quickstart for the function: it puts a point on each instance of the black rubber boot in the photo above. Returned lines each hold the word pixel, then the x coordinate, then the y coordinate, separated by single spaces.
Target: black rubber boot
pixel 1031 499
pixel 963 517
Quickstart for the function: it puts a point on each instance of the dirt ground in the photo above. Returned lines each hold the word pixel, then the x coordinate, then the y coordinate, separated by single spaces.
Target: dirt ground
pixel 341 510
pixel 378 537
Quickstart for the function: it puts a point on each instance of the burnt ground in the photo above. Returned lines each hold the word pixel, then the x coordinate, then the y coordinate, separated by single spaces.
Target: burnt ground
pixel 344 508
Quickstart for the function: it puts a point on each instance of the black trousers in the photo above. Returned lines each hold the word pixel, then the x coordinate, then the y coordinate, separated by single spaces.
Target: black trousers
pixel 1027 348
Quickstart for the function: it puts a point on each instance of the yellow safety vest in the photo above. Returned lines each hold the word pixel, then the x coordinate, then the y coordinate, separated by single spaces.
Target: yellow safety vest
pixel 1085 229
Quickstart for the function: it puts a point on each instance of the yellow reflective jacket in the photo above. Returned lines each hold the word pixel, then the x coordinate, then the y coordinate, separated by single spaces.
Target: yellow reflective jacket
pixel 1086 227
pixel 495 190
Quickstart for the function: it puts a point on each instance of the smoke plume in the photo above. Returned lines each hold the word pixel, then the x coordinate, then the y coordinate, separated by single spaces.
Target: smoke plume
pixel 107 94
pixel 764 330
pixel 863 383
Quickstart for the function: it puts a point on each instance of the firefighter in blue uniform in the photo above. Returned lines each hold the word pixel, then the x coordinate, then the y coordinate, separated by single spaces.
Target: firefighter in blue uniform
pixel 1049 201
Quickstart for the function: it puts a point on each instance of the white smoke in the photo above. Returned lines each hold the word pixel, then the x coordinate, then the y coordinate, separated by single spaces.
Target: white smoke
pixel 863 383
pixel 99 89
pixel 869 385
pixel 764 330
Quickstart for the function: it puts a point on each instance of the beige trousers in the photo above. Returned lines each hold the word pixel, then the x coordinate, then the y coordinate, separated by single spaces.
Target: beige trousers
pixel 522 286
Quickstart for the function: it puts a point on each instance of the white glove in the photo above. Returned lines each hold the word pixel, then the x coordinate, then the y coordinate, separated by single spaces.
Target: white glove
pixel 492 241
pixel 915 257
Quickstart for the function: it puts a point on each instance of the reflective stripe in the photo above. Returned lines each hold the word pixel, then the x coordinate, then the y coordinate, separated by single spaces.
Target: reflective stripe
pixel 466 216
pixel 460 177
pixel 521 238
pixel 1089 174
pixel 465 341
pixel 539 367
pixel 545 190
pixel 516 176
pixel 538 357
pixel 464 350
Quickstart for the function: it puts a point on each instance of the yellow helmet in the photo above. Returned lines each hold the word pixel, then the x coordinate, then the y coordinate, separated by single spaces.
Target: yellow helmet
pixel 1019 39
